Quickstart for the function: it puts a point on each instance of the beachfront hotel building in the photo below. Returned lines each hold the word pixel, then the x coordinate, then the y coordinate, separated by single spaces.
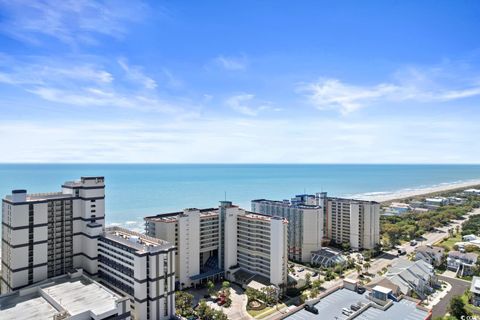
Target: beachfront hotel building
pixel 224 242
pixel 355 222
pixel 317 219
pixel 46 234
pixel 141 268
pixel 52 234
pixel 305 223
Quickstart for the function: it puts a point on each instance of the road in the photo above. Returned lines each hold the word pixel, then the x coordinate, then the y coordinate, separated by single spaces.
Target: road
pixel 387 258
pixel 458 288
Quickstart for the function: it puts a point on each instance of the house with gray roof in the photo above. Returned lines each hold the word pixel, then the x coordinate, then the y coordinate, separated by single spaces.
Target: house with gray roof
pixel 429 254
pixel 462 263
pixel 413 277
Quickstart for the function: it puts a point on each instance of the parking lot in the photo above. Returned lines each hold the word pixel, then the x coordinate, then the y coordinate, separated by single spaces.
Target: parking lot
pixel 301 272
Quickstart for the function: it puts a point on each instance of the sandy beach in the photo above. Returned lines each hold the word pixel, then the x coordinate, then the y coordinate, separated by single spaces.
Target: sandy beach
pixel 407 193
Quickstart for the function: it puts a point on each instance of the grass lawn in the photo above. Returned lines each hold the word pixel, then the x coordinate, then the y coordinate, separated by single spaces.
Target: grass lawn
pixel 260 314
pixel 450 242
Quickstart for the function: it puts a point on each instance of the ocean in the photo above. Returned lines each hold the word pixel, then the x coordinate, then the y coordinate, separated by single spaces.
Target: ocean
pixel 136 190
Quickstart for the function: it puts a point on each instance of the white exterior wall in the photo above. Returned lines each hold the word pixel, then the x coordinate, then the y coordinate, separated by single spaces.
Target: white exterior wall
pixel 354 225
pixel 312 232
pixel 278 251
pixel 188 246
pixel 231 237
pixel 371 226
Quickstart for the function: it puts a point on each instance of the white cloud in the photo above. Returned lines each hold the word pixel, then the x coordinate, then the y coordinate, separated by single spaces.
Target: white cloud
pixel 88 84
pixel 232 63
pixel 229 140
pixel 89 97
pixel 413 85
pixel 135 73
pixel 243 103
pixel 42 72
pixel 70 21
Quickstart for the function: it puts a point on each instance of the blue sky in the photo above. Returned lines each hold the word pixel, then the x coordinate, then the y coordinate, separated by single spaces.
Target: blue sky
pixel 240 81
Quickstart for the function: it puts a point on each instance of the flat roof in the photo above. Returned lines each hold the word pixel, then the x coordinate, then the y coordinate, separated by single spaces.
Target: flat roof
pixel 80 295
pixel 404 309
pixel 330 308
pixel 382 289
pixel 136 240
pixel 28 307
pixel 59 295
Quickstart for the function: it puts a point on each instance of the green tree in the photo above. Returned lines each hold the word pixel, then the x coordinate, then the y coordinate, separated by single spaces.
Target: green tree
pixel 303 297
pixel 457 308
pixel 308 278
pixel 366 266
pixel 210 287
pixel 314 293
pixel 346 246
pixel 183 303
pixel 358 268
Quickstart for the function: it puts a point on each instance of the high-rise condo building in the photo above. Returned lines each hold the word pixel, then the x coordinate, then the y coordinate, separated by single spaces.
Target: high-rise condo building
pixel 315 220
pixel 46 234
pixel 355 222
pixel 224 242
pixel 51 234
pixel 142 268
pixel 305 224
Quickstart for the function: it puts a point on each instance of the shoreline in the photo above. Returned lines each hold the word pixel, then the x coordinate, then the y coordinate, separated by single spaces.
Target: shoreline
pixel 384 198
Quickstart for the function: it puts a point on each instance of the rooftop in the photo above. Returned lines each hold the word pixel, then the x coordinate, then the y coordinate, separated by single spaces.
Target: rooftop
pixel 172 216
pixel 63 294
pixel 331 306
pixel 136 240
pixel 475 286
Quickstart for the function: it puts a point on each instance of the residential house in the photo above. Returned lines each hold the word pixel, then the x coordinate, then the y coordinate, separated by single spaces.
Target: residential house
pixel 429 254
pixel 475 291
pixel 413 277
pixel 462 263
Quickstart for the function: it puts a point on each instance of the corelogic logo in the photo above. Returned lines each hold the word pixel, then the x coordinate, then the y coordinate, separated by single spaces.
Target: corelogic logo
pixel 469 318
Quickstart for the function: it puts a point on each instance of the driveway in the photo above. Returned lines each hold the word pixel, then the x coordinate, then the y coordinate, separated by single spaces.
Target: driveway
pixel 458 288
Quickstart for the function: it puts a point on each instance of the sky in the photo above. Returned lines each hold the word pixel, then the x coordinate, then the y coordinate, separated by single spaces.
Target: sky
pixel 240 81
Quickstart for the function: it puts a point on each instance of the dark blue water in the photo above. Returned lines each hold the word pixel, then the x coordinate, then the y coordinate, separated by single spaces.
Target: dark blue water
pixel 136 190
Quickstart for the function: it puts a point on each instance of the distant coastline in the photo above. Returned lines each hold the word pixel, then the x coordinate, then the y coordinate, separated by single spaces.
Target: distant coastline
pixel 385 197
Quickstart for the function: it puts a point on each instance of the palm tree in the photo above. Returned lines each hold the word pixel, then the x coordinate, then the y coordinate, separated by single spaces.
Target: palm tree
pixel 210 287
pixel 314 293
pixel 366 265
pixel 358 268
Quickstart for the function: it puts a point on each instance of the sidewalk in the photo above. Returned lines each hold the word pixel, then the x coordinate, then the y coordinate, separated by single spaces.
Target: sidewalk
pixel 438 296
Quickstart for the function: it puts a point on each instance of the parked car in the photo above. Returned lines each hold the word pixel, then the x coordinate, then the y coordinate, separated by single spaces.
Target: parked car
pixel 413 243
pixel 361 290
pixel 314 274
pixel 355 307
pixel 311 309
pixel 301 270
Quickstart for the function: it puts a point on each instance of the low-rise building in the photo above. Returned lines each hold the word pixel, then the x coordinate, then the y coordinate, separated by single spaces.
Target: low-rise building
pixel 469 237
pixel 471 192
pixel 475 291
pixel 413 276
pixel 436 202
pixel 396 209
pixel 429 254
pixel 70 296
pixel 327 257
pixel 461 263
